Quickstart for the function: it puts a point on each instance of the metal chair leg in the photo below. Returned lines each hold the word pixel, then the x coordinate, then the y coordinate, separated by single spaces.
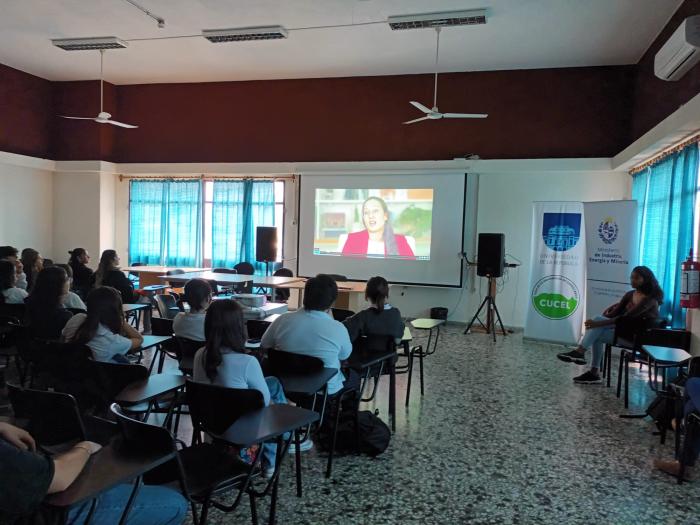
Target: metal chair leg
pixel 619 373
pixel 627 382
pixel 420 362
pixel 297 461
pixel 329 466
pixel 410 376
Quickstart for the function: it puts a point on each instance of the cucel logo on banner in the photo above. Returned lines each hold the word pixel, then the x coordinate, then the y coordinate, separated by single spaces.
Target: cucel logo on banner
pixel 555 297
pixel 561 231
pixel 608 230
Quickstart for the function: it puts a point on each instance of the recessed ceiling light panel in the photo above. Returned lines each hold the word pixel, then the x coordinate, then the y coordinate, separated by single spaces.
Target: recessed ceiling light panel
pixel 83 44
pixel 446 19
pixel 243 34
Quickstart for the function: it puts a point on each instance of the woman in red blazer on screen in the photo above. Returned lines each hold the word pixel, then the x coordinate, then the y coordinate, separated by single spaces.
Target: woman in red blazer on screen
pixel 378 237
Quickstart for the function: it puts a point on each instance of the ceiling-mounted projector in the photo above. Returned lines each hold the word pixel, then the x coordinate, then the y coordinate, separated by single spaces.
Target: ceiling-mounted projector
pixel 681 52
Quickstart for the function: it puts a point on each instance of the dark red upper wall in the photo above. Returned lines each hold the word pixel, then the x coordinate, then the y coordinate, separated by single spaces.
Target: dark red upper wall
pixel 656 99
pixel 25 113
pixel 581 112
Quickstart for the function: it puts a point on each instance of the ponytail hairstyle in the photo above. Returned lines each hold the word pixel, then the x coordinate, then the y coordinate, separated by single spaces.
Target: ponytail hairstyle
pixel 75 255
pixel 377 291
pixel 47 293
pixel 29 259
pixel 650 287
pixel 7 277
pixel 389 237
pixel 105 266
pixel 224 328
pixel 197 293
pixel 104 307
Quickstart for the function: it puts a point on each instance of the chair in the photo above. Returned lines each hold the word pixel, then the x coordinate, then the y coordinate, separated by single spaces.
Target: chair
pixel 224 270
pixel 54 419
pixel 245 268
pixel 256 328
pixel 112 378
pixel 626 330
pixel 186 349
pixel 176 271
pixel 161 326
pixel 380 344
pixel 337 277
pixel 281 294
pixel 9 329
pixel 339 314
pixel 201 471
pixel 18 311
pixel 167 306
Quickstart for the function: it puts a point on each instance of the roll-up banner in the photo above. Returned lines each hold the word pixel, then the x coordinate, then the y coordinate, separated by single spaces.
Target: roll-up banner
pixel 612 251
pixel 557 272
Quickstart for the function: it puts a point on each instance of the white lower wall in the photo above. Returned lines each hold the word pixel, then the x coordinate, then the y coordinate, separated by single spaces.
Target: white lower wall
pixel 26 213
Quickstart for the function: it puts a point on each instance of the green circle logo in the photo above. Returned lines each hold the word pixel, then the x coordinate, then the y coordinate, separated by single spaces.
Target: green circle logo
pixel 555 297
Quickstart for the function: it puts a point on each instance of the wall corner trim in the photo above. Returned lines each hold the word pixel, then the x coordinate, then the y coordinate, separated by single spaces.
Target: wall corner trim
pixel 25 161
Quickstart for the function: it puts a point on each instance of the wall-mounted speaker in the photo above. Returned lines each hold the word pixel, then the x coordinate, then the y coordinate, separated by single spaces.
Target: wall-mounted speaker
pixel 266 244
pixel 490 255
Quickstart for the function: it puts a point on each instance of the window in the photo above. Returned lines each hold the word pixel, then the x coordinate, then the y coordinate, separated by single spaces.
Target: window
pixel 202 222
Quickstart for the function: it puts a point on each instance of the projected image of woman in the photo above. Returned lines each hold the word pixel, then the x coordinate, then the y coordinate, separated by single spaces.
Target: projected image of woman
pixel 378 237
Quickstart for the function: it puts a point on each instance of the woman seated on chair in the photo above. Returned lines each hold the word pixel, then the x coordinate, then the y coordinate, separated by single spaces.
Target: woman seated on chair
pixel 11 294
pixel 190 325
pixel 71 300
pixel 82 275
pixel 103 328
pixel 223 361
pixel 33 263
pixel 641 302
pixel 46 314
pixel 380 318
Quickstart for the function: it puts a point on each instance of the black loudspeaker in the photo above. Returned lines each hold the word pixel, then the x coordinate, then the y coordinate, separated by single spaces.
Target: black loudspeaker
pixel 491 253
pixel 438 312
pixel 266 244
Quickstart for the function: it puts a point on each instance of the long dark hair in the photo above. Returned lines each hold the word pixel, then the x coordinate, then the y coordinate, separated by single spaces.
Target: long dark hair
pixel 224 327
pixel 47 293
pixel 389 237
pixel 29 258
pixel 104 306
pixel 7 278
pixel 197 291
pixel 75 255
pixel 106 261
pixel 377 291
pixel 650 287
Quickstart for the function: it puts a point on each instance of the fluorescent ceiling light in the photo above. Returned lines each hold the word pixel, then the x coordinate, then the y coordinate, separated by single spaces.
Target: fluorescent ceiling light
pixel 82 44
pixel 446 19
pixel 242 34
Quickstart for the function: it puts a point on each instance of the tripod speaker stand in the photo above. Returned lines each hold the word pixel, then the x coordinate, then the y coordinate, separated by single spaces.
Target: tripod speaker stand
pixel 492 312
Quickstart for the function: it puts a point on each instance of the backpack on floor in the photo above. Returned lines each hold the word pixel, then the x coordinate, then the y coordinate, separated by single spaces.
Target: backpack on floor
pixel 374 434
pixel 663 407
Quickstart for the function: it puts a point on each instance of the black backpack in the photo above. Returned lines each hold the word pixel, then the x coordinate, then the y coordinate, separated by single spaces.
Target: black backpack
pixel 374 434
pixel 663 408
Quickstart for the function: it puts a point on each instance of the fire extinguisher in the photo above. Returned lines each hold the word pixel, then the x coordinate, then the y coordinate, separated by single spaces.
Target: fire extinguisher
pixel 690 283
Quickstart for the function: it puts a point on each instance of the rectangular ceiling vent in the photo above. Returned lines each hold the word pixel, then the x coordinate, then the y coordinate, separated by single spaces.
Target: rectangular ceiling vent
pixel 243 34
pixel 446 19
pixel 84 44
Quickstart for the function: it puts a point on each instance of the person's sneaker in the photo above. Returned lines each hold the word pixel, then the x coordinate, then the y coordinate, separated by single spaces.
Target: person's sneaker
pixel 673 468
pixel 589 378
pixel 305 445
pixel 267 472
pixel 572 357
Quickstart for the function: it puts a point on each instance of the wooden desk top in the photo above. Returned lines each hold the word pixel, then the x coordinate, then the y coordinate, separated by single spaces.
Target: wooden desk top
pixel 158 269
pixel 151 388
pixel 343 286
pixel 106 469
pixel 426 324
pixel 268 423
pixel 274 281
pixel 220 278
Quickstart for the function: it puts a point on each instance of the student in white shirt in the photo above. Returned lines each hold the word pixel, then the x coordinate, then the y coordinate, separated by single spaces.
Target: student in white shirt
pixel 103 329
pixel 223 361
pixel 8 284
pixel 71 299
pixel 190 325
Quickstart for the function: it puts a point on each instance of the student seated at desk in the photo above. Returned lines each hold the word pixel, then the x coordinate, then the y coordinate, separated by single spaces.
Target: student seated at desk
pixel 9 253
pixel 380 318
pixel 82 275
pixel 223 361
pixel 11 294
pixel 103 328
pixel 190 325
pixel 27 477
pixel 33 263
pixel 71 300
pixel 46 314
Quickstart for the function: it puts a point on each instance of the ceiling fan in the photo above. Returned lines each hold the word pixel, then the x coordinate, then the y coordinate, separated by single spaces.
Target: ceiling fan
pixel 103 117
pixel 434 113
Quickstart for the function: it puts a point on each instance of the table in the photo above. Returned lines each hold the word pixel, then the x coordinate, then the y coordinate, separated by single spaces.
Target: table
pixel 430 325
pixel 220 278
pixel 149 390
pixel 109 467
pixel 150 341
pixel 258 312
pixel 348 293
pixel 149 275
pixel 268 423
pixel 135 309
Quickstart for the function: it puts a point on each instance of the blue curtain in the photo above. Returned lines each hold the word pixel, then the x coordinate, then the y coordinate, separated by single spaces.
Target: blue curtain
pixel 238 208
pixel 184 223
pixel 147 208
pixel 666 196
pixel 165 222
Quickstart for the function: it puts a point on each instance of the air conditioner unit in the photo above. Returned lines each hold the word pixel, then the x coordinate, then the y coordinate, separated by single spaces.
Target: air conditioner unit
pixel 681 52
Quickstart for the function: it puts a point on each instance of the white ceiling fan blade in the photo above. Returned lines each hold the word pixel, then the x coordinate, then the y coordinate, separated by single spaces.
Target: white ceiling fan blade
pixel 416 120
pixel 420 106
pixel 120 124
pixel 464 115
pixel 77 118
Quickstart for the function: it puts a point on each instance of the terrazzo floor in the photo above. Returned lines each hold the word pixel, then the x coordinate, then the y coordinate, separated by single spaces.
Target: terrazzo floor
pixel 502 436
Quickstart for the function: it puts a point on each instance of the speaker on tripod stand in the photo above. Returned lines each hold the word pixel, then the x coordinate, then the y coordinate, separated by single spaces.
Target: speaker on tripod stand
pixel 490 262
pixel 266 246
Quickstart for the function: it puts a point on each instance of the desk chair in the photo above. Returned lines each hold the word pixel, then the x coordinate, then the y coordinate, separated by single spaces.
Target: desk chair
pixel 224 289
pixel 201 471
pixel 339 314
pixel 18 311
pixel 167 306
pixel 10 327
pixel 281 295
pixel 186 349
